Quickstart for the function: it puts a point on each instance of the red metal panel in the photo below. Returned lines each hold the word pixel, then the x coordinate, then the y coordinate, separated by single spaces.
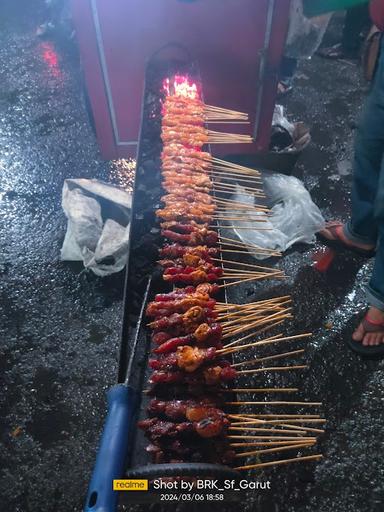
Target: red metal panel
pixel 226 37
pixel 86 37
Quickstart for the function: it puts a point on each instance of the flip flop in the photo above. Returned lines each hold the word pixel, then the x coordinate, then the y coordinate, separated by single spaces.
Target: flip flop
pixel 338 243
pixel 370 351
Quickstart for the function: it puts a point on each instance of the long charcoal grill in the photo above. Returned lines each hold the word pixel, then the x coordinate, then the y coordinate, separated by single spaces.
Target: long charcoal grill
pixel 145 241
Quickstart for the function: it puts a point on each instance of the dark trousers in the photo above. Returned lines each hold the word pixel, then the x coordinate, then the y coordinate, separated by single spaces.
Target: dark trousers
pixel 356 20
pixel 365 226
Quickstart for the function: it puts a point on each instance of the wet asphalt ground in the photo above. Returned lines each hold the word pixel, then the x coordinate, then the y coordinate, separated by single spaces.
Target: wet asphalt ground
pixel 60 327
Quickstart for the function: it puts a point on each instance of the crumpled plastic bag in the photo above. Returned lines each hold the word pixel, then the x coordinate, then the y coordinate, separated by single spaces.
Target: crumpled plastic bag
pixel 294 217
pixel 98 225
pixel 305 34
pixel 287 136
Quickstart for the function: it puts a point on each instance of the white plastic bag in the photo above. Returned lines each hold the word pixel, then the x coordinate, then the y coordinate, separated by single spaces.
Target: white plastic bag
pixel 93 234
pixel 294 216
pixel 305 34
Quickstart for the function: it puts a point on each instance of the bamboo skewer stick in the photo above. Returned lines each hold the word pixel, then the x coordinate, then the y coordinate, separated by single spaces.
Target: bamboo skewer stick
pixel 249 265
pixel 288 422
pixel 268 358
pixel 228 205
pixel 268 340
pixel 230 141
pixel 258 275
pixel 236 317
pixel 225 121
pixel 275 450
pixel 219 110
pixel 276 438
pixel 294 427
pixel 259 328
pixel 293 416
pixel 240 168
pixel 261 390
pixel 226 285
pixel 279 315
pixel 233 226
pixel 244 338
pixel 309 404
pixel 265 301
pixel 229 201
pixel 279 462
pixel 223 176
pixel 270 430
pixel 242 244
pixel 222 186
pixel 220 216
pixel 273 369
pixel 273 443
pixel 234 321
pixel 246 250
pixel 234 251
pixel 219 188
pixel 252 271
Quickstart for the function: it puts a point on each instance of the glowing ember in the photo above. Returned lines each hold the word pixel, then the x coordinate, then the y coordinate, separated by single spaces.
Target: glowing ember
pixel 181 85
pixel 123 172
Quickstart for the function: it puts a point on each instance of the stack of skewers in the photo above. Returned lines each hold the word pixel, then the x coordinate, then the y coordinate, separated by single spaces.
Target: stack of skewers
pixel 195 337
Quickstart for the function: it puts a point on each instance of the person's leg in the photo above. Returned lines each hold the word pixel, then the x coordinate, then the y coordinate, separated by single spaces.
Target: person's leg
pixel 362 230
pixel 288 67
pixel 287 71
pixel 356 19
pixel 369 151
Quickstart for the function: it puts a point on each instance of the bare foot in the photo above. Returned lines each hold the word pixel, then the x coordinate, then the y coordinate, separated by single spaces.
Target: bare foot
pixel 370 332
pixel 335 231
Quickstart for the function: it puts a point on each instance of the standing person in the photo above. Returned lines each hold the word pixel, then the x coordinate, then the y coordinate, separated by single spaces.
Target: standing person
pixel 356 21
pixel 364 233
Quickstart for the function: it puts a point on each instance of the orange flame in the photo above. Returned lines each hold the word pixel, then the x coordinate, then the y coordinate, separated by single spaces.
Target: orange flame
pixel 181 85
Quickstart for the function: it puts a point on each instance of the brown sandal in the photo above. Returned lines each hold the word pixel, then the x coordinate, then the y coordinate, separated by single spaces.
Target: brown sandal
pixel 370 351
pixel 338 243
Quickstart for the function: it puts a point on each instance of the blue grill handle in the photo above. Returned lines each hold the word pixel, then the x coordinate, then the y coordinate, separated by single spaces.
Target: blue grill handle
pixel 112 453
